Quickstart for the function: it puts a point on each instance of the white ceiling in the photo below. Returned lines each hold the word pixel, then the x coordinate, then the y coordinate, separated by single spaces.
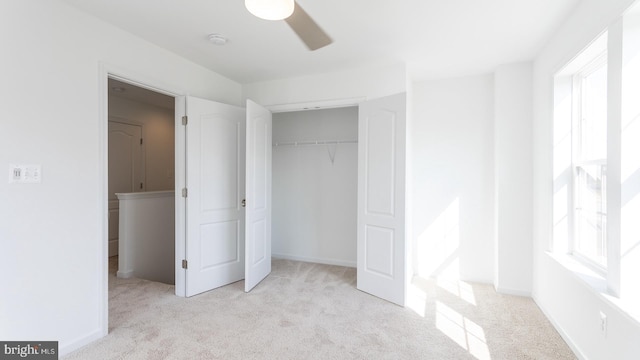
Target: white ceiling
pixel 435 38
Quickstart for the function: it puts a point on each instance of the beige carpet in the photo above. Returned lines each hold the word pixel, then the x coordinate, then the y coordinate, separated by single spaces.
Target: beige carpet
pixel 312 311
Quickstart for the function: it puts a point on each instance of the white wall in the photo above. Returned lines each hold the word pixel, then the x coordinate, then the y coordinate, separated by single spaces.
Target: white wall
pixel 630 160
pixel 52 235
pixel 315 196
pixel 158 132
pixel 513 178
pixel 572 306
pixel 452 177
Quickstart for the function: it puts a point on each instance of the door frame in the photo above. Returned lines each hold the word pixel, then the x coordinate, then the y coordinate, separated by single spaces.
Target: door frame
pixel 105 72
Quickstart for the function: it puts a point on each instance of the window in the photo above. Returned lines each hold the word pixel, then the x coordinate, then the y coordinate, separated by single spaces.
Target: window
pixel 596 164
pixel 589 159
pixel 580 157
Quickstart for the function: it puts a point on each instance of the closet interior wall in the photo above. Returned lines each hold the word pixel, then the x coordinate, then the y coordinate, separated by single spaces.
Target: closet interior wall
pixel 315 175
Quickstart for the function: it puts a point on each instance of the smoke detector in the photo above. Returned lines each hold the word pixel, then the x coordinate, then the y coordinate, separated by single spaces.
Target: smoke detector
pixel 218 39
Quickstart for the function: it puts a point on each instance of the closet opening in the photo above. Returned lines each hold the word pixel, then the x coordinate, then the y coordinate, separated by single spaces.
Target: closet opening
pixel 314 184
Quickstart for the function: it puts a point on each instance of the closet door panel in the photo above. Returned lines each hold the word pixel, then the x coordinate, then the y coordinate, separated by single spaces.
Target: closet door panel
pixel 381 198
pixel 258 200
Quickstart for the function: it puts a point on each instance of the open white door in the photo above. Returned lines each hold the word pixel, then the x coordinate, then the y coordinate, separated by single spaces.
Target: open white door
pixel 215 143
pixel 381 198
pixel 258 201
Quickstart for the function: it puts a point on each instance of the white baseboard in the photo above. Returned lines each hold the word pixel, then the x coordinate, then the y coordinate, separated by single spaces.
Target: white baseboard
pixel 315 260
pixel 124 274
pixel 507 291
pixel 66 349
pixel 563 334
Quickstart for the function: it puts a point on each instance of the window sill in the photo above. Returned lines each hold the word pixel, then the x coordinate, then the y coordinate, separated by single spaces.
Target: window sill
pixel 598 285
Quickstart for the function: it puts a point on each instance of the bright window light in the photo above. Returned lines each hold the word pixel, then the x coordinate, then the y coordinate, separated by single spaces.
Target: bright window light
pixel 580 156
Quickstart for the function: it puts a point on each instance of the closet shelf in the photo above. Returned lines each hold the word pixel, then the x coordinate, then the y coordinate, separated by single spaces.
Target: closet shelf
pixel 313 143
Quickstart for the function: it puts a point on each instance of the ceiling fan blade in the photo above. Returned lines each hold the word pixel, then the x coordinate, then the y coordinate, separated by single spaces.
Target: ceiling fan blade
pixel 307 29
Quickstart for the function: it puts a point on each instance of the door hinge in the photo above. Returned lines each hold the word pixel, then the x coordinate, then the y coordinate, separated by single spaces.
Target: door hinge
pixel 141 185
pixel 140 141
pixel 185 120
pixel 184 264
pixel 184 192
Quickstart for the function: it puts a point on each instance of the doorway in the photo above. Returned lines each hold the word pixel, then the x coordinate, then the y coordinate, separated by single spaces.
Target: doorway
pixel 141 158
pixel 315 180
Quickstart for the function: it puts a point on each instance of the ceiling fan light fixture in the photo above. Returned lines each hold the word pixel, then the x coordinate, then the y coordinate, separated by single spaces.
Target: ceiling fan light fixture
pixel 270 9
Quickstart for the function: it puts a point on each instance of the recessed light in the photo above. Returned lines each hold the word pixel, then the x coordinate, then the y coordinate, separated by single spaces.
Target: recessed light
pixel 118 89
pixel 218 39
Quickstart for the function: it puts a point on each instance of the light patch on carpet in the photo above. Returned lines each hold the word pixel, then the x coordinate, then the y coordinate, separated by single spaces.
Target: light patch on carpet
pixel 466 333
pixel 459 288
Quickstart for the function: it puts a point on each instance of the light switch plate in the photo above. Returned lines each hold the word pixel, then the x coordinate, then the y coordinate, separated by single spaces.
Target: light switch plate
pixel 25 173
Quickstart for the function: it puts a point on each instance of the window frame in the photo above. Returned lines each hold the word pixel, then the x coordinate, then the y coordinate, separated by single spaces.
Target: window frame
pixel 597 62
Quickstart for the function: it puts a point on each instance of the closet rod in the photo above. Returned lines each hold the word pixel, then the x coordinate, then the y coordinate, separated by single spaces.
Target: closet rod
pixel 313 143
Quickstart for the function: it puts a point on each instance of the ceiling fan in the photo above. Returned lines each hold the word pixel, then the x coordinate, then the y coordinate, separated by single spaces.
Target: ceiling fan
pixel 294 15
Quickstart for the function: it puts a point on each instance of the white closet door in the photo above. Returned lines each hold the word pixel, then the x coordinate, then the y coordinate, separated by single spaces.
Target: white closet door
pixel 258 201
pixel 381 198
pixel 215 155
